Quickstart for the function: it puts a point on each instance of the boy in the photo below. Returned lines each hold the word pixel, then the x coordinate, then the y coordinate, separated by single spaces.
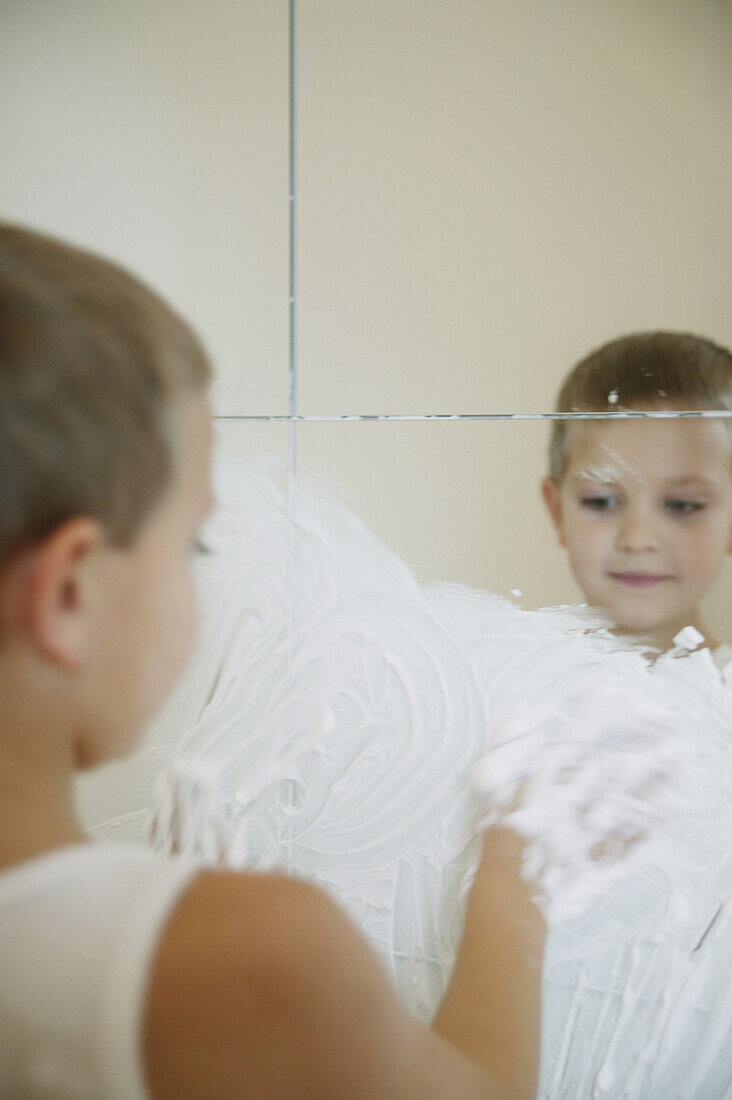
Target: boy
pixel 123 973
pixel 644 507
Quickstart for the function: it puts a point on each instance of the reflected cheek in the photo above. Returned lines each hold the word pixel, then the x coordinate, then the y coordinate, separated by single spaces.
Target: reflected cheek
pixel 701 563
pixel 587 547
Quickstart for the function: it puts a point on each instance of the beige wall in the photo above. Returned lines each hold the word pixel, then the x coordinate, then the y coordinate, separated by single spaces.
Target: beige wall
pixel 484 190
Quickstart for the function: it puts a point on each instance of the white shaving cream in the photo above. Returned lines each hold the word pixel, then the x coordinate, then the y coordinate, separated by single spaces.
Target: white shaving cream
pixel 334 717
pixel 613 470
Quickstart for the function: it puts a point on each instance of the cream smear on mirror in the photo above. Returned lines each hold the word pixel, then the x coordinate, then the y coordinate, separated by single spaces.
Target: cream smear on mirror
pixel 346 724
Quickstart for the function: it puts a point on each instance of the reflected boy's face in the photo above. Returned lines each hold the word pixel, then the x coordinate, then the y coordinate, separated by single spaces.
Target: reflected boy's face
pixel 645 511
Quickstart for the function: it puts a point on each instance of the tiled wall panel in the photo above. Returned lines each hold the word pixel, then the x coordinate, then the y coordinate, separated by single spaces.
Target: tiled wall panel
pixel 157 132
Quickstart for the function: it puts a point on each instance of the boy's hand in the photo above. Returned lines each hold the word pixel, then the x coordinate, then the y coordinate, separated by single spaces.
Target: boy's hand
pixel 586 780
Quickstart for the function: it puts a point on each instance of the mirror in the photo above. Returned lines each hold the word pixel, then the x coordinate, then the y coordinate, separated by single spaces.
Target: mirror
pixel 403 208
pixel 488 191
pixel 339 707
pixel 178 171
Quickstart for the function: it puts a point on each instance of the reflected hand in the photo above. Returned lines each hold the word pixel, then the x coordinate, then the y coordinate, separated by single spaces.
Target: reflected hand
pixel 587 780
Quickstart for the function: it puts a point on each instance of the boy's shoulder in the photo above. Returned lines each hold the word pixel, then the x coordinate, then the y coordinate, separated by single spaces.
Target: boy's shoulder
pixel 251 974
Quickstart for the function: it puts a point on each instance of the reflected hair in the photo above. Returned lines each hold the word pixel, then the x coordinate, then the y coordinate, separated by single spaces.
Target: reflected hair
pixel 91 361
pixel 646 370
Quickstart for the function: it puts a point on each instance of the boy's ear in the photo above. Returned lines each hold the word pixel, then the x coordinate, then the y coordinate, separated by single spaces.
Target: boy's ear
pixel 48 593
pixel 552 499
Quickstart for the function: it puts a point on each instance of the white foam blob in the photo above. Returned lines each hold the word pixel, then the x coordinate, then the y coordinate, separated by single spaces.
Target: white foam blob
pixel 688 638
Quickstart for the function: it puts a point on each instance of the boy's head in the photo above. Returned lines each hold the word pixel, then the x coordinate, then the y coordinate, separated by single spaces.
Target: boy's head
pixel 104 440
pixel 644 507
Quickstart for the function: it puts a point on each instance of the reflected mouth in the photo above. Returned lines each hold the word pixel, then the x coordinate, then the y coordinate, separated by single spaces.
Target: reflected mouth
pixel 639 580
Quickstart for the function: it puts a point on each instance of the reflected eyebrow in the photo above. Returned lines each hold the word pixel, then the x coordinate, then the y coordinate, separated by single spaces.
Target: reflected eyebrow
pixel 691 479
pixel 583 476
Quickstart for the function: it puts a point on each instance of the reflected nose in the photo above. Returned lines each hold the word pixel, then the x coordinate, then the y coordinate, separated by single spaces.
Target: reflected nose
pixel 636 535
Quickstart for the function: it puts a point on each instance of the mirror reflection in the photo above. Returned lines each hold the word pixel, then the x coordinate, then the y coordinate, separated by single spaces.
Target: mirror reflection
pixel 486 189
pixel 644 507
pixel 357 766
pixel 467 508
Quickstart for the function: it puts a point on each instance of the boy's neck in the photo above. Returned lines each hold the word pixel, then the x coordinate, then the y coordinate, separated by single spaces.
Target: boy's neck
pixel 30 829
pixel 36 812
pixel 663 638
pixel 36 772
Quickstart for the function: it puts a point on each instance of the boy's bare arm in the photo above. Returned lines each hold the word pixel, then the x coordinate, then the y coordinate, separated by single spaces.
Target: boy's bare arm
pixel 261 987
pixel 492 1007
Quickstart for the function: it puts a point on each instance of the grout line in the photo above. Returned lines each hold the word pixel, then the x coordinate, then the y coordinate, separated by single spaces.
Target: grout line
pixel 292 418
pixel 292 211
pixel 287 787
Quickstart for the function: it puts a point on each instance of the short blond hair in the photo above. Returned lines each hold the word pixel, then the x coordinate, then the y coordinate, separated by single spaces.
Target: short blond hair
pixel 90 360
pixel 673 370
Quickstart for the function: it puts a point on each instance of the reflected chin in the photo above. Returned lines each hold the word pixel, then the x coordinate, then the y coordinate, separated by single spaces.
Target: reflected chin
pixel 632 621
pixel 636 613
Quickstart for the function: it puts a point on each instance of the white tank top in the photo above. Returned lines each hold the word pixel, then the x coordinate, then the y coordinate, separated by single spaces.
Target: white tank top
pixel 78 928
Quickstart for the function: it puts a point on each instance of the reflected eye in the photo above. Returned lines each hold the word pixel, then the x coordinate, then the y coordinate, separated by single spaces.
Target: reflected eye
pixel 599 503
pixel 684 507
